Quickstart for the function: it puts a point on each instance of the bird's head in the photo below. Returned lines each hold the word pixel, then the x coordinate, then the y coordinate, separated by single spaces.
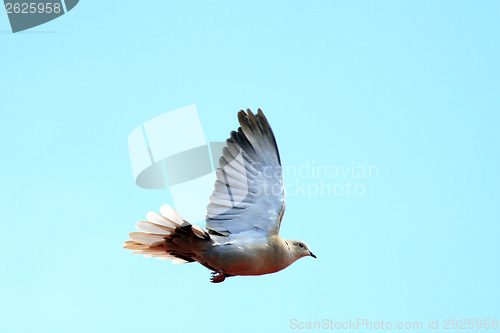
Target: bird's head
pixel 300 249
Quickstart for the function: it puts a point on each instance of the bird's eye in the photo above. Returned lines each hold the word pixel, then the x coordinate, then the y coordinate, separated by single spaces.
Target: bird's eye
pixel 301 245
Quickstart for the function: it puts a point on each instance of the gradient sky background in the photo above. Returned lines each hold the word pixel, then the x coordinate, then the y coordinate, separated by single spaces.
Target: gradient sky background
pixel 409 87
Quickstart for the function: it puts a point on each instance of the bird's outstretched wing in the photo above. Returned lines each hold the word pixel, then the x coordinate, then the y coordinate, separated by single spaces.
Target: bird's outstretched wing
pixel 249 197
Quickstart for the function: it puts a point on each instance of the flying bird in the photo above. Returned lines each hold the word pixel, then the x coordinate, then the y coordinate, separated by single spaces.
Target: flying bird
pixel 243 218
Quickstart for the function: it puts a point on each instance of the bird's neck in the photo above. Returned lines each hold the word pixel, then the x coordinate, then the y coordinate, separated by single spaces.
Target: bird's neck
pixel 285 252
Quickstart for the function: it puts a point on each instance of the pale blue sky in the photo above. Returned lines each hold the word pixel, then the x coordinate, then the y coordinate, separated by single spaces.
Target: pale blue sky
pixel 409 87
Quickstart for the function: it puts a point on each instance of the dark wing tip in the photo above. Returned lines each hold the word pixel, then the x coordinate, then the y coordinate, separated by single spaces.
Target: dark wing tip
pixel 257 125
pixel 267 130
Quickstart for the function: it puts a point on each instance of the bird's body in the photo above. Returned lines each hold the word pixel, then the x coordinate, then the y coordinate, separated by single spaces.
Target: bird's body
pixel 249 256
pixel 243 217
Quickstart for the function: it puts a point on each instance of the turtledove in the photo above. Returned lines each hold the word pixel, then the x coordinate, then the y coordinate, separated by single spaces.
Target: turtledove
pixel 243 218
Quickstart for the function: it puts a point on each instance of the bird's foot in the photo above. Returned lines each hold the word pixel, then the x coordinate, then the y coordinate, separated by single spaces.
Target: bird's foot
pixel 218 277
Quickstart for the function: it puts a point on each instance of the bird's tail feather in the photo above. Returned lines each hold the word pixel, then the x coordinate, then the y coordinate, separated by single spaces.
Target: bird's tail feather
pixel 167 236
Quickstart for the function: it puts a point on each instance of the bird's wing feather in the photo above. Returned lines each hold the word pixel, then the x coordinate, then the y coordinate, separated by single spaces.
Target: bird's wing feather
pixel 249 193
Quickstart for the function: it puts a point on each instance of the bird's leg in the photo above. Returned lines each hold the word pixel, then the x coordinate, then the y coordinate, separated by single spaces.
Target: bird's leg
pixel 218 277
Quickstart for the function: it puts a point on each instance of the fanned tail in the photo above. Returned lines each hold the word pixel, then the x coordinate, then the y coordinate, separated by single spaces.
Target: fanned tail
pixel 168 236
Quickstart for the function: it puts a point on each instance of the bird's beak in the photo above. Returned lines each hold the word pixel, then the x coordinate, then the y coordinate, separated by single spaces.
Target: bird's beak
pixel 312 255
